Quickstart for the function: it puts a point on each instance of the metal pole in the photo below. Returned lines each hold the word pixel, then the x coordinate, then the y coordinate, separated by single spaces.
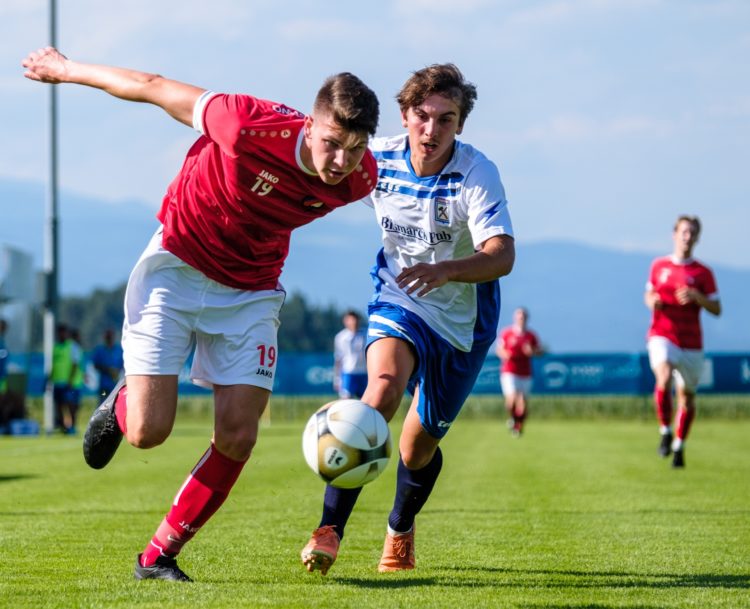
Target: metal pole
pixel 51 242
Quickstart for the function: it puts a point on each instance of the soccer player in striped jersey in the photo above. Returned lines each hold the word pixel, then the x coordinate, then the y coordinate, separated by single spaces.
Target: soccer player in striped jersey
pixel 678 288
pixel 210 275
pixel 447 238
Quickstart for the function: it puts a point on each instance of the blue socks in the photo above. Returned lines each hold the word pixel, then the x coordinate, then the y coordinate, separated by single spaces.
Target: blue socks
pixel 413 487
pixel 338 504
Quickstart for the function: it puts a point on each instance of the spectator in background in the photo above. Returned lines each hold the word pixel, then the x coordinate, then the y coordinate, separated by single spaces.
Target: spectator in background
pixel 4 356
pixel 678 288
pixel 66 361
pixel 516 345
pixel 108 362
pixel 349 366
pixel 78 383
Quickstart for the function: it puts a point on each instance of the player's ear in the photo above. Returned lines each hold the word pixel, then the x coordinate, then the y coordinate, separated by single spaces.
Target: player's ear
pixel 404 122
pixel 308 126
pixel 460 128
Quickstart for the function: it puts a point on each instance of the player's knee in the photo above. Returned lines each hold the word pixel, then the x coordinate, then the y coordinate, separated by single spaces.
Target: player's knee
pixel 413 458
pixel 385 397
pixel 236 444
pixel 144 437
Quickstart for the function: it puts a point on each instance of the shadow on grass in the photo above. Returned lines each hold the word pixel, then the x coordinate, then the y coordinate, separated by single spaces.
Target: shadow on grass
pixel 14 477
pixel 381 583
pixel 587 606
pixel 604 579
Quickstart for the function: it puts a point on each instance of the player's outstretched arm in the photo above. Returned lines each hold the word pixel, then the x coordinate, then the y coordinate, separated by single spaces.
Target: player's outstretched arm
pixel 178 99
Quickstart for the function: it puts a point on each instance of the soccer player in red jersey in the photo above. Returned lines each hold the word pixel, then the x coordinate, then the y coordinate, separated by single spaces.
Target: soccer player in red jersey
pixel 678 288
pixel 209 278
pixel 516 345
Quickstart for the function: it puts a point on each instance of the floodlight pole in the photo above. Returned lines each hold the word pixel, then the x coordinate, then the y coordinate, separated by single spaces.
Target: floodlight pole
pixel 51 243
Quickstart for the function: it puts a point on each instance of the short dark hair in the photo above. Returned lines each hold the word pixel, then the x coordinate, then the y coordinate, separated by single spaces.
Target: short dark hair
pixel 444 79
pixel 694 220
pixel 351 103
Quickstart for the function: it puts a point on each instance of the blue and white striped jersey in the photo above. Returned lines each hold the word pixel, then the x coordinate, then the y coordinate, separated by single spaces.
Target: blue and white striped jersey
pixel 431 219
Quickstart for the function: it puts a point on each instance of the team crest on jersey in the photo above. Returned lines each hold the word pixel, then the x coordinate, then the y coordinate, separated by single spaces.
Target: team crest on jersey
pixel 664 275
pixel 442 210
pixel 311 202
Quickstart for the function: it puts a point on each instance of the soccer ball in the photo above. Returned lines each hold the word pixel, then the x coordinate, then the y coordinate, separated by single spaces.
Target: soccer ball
pixel 347 443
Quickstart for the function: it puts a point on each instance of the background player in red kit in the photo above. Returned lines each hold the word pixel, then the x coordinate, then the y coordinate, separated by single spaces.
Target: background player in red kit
pixel 210 275
pixel 516 345
pixel 678 288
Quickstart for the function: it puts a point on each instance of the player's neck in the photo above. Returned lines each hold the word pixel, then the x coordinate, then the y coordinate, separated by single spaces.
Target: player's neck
pixel 682 255
pixel 305 155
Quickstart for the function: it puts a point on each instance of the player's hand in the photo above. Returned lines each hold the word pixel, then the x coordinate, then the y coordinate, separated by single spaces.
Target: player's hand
pixel 422 278
pixel 686 295
pixel 657 302
pixel 46 65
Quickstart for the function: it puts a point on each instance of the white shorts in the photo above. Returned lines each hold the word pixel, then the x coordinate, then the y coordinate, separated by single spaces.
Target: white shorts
pixel 512 383
pixel 170 307
pixel 687 363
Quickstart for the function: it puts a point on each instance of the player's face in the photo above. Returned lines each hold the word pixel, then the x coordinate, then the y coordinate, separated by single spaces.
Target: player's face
pixel 685 237
pixel 332 151
pixel 432 126
pixel 519 317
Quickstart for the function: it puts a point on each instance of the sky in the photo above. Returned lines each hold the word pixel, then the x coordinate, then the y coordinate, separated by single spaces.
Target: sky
pixel 606 118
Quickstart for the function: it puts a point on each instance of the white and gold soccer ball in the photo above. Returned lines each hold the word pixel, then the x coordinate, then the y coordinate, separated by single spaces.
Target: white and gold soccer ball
pixel 347 443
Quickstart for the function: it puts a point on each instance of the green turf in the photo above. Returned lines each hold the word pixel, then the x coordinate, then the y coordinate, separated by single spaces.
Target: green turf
pixel 576 514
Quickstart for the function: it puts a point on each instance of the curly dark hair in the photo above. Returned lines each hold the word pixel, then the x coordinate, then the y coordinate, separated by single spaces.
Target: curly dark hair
pixel 444 79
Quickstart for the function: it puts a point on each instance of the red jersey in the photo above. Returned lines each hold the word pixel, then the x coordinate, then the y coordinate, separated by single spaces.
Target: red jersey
pixel 679 323
pixel 242 189
pixel 513 341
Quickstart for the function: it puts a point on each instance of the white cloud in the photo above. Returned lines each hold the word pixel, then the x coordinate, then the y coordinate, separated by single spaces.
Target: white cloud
pixel 557 11
pixel 573 127
pixel 409 8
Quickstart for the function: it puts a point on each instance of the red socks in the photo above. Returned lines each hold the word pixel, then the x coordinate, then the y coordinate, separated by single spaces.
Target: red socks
pixel 685 418
pixel 663 402
pixel 200 496
pixel 121 409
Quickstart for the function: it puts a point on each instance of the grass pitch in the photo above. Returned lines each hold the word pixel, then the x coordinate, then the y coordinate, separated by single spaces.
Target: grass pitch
pixel 577 513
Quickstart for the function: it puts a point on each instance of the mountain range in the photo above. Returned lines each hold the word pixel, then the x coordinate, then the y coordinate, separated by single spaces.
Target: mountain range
pixel 581 298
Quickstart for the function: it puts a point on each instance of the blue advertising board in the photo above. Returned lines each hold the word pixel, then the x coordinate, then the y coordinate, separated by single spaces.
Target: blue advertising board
pixel 598 373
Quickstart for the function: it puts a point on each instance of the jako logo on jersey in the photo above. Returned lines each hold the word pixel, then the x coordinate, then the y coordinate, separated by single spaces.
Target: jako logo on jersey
pixel 268 177
pixel 415 232
pixel 442 211
pixel 287 111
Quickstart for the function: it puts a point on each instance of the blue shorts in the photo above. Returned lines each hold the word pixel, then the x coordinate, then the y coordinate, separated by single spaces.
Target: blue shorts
pixel 65 394
pixel 445 375
pixel 353 384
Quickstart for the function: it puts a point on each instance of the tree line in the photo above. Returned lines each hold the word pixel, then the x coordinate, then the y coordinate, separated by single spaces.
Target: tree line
pixel 305 327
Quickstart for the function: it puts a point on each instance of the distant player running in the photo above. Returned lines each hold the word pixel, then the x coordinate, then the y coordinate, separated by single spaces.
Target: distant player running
pixel 447 237
pixel 678 288
pixel 210 275
pixel 516 345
